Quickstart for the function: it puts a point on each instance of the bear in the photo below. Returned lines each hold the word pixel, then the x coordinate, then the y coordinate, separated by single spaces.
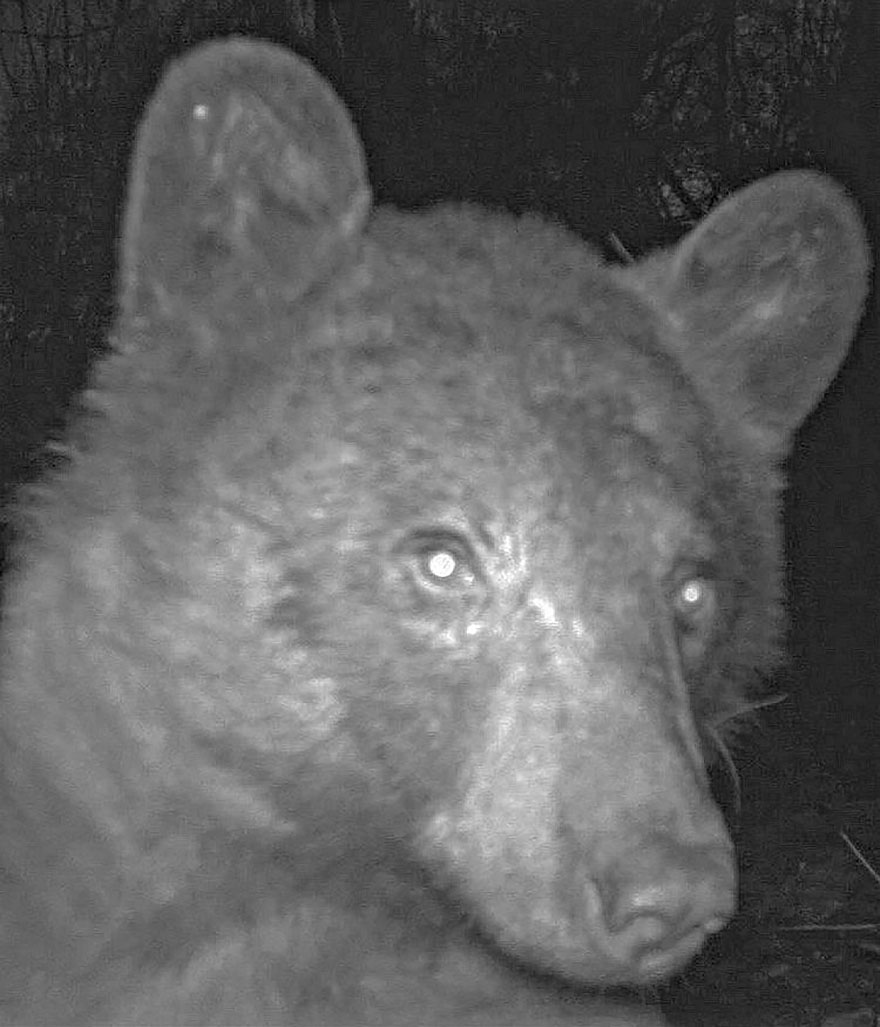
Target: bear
pixel 363 660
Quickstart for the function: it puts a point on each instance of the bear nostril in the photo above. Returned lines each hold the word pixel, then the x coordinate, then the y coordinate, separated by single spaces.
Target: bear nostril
pixel 659 906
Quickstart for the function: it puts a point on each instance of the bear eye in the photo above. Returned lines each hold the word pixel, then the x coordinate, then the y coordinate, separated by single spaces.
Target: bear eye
pixel 695 607
pixel 443 561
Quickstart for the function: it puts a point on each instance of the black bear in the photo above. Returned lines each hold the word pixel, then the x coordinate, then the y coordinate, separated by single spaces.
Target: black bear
pixel 363 662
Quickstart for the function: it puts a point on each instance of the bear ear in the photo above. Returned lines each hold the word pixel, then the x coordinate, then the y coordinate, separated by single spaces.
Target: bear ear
pixel 765 294
pixel 248 179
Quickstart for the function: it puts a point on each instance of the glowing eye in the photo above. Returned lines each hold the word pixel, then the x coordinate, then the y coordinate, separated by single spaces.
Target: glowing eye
pixel 692 593
pixel 695 604
pixel 443 560
pixel 441 563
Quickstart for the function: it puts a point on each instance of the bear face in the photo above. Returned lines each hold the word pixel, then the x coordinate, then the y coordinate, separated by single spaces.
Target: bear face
pixel 406 572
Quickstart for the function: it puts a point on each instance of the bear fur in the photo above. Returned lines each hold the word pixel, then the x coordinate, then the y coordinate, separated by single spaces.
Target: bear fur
pixel 362 663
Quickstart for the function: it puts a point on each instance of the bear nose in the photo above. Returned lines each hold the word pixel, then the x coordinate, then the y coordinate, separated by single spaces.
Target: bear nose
pixel 656 906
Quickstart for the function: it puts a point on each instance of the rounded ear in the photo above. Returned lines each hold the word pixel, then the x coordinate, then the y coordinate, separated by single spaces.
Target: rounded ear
pixel 247 178
pixel 765 295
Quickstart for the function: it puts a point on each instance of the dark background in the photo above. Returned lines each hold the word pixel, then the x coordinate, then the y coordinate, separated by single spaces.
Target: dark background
pixel 627 120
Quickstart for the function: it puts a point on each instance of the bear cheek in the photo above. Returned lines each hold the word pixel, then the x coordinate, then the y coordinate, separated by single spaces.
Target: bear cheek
pixel 417 701
pixel 416 675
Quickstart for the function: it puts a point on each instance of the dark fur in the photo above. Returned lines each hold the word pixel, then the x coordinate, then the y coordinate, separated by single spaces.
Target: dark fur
pixel 264 761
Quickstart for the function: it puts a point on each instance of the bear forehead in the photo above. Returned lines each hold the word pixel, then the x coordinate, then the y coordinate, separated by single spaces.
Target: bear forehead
pixel 504 339
pixel 455 306
pixel 499 434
